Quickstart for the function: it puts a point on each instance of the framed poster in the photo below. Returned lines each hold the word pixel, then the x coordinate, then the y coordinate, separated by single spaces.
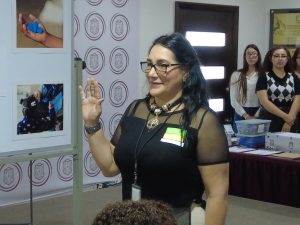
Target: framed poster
pixel 27 67
pixel 285 28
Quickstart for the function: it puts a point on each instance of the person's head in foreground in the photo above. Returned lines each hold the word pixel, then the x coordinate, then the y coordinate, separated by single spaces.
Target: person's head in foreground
pixel 143 212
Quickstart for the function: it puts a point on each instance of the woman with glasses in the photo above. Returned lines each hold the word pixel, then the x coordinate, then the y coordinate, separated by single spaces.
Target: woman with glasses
pixel 242 86
pixel 168 146
pixel 278 91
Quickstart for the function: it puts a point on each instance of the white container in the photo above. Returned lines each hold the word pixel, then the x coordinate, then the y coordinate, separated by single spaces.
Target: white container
pixel 253 126
pixel 283 141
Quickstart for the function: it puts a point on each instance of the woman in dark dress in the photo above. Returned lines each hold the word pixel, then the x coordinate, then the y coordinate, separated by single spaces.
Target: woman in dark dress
pixel 278 91
pixel 168 146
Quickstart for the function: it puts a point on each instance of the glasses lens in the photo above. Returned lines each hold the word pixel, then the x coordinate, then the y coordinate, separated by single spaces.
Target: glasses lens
pixel 254 54
pixel 161 68
pixel 145 66
pixel 280 56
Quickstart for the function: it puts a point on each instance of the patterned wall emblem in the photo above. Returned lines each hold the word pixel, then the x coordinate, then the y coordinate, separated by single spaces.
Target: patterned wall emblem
pixel 41 171
pixel 114 122
pixel 118 60
pixel 119 27
pixel 94 26
pixel 76 25
pixel 119 3
pixel 90 167
pixel 118 93
pixel 94 2
pixel 76 55
pixel 94 59
pixel 65 168
pixel 10 177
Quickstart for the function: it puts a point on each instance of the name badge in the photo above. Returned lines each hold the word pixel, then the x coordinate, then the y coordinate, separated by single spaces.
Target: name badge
pixel 174 136
pixel 135 192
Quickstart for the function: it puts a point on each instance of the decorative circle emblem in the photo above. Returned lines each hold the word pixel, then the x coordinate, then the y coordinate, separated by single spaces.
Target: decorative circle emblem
pixel 118 93
pixel 10 176
pixel 114 122
pixel 94 26
pixel 119 27
pixel 119 3
pixel 94 2
pixel 76 25
pixel 118 60
pixel 94 59
pixel 65 168
pixel 41 171
pixel 90 167
pixel 76 55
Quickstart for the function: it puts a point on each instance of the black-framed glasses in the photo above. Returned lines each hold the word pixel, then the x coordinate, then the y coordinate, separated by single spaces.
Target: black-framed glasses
pixel 254 54
pixel 160 68
pixel 280 56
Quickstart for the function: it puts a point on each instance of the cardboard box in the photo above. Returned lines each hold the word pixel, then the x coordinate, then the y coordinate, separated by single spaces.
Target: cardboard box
pixel 283 141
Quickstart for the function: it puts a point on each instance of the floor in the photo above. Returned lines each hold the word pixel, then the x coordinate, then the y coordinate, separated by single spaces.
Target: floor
pixel 58 211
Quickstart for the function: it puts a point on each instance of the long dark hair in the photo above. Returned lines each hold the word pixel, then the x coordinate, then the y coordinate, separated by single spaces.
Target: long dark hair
pixel 194 88
pixel 243 80
pixel 294 58
pixel 268 65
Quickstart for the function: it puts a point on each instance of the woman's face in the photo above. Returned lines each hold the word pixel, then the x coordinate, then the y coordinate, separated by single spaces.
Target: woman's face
pixel 279 58
pixel 298 60
pixel 164 85
pixel 251 56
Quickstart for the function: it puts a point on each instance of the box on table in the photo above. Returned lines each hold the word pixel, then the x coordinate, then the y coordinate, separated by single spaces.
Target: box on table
pixel 253 127
pixel 283 141
pixel 251 141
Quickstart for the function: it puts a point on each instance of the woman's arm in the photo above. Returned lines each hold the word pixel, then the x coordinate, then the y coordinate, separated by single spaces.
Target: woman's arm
pixel 103 153
pixel 216 182
pixel 101 149
pixel 234 94
pixel 271 108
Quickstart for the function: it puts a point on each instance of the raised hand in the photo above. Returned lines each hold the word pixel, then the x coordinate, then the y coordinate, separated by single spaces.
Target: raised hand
pixel 91 103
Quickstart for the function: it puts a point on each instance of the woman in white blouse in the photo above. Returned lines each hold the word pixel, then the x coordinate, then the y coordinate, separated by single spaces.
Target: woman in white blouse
pixel 242 86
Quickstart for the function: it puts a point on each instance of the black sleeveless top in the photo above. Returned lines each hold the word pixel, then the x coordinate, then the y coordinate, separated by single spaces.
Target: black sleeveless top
pixel 167 168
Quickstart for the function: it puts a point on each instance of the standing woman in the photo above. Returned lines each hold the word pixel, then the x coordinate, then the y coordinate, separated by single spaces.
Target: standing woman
pixel 242 86
pixel 296 62
pixel 168 146
pixel 278 91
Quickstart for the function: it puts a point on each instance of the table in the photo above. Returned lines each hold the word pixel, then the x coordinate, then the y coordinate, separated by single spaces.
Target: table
pixel 265 178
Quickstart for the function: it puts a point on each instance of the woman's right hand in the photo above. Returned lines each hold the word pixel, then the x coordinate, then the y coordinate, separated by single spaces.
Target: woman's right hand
pixel 290 119
pixel 91 103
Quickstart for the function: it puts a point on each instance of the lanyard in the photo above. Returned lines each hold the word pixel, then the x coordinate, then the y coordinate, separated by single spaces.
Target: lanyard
pixel 137 150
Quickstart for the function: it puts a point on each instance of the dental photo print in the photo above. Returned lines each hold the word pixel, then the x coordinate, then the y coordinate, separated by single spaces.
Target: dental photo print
pixel 39 108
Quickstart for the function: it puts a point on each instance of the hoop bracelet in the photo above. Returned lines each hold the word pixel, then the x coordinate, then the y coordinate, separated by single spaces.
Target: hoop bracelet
pixel 93 129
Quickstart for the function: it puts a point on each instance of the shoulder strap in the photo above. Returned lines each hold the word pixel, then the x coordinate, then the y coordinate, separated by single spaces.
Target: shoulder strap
pixel 134 106
pixel 202 118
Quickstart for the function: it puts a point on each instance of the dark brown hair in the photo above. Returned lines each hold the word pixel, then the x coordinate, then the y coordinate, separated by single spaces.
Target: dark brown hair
pixel 294 58
pixel 243 80
pixel 268 65
pixel 143 212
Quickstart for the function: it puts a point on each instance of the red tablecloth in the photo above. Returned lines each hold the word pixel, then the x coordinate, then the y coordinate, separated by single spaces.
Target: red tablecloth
pixel 265 178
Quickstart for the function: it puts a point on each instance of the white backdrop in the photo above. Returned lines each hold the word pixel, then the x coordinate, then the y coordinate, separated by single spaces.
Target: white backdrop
pixel 106 37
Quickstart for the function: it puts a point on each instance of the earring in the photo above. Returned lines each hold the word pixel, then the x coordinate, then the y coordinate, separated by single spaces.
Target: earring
pixel 184 79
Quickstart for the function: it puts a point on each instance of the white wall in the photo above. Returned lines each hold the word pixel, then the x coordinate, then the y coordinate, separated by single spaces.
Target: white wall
pixel 157 17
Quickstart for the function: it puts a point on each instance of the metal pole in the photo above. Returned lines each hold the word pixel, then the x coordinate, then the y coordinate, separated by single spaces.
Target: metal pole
pixel 31 195
pixel 78 157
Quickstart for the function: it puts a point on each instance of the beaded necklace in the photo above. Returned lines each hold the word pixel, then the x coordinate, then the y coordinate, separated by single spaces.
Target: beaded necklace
pixel 157 110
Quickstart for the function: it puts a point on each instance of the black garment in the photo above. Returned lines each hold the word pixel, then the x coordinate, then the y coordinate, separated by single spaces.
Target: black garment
pixel 167 171
pixel 280 92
